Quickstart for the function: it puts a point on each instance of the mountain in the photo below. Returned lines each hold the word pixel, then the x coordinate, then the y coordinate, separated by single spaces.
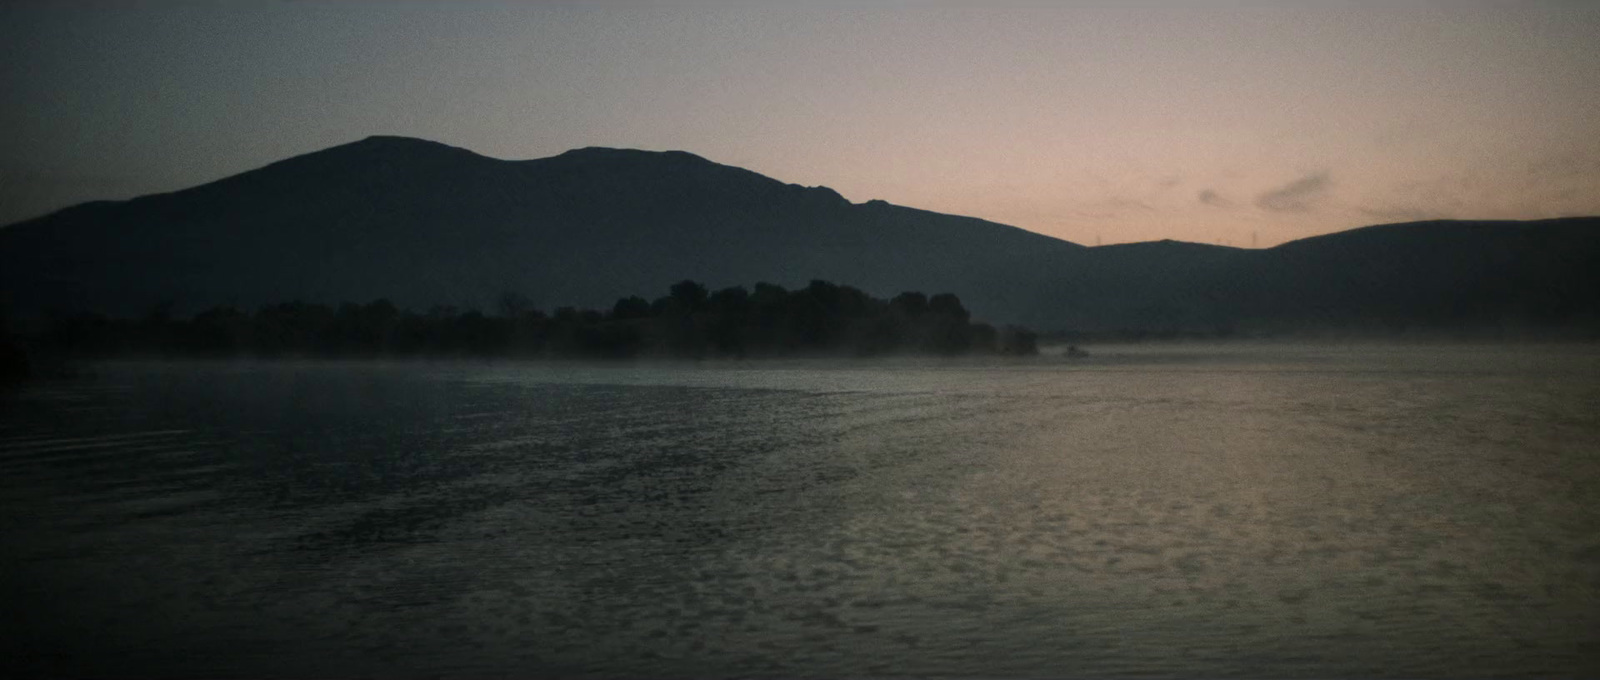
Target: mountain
pixel 1452 276
pixel 1438 274
pixel 423 223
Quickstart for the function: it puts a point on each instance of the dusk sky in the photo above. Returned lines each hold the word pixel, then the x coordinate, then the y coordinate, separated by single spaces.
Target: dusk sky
pixel 1100 121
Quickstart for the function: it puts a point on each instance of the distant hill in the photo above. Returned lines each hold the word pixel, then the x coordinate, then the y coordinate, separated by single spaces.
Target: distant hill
pixel 424 223
pixel 1421 275
pixel 1478 276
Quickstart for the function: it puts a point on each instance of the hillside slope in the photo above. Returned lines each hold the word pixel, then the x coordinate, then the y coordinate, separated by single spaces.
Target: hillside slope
pixel 423 223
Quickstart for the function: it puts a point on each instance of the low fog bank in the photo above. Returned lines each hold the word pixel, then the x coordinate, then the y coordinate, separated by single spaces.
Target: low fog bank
pixel 1506 333
pixel 800 371
pixel 1355 353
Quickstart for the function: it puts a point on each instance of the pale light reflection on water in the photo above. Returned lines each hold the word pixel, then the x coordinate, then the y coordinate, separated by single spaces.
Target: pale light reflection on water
pixel 1232 511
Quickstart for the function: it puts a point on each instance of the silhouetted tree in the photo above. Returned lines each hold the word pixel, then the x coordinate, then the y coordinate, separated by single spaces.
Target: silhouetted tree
pixel 689 322
pixel 911 304
pixel 732 301
pixel 690 294
pixel 633 307
pixel 221 330
pixel 14 363
pixel 726 321
pixel 566 316
pixel 513 304
pixel 949 306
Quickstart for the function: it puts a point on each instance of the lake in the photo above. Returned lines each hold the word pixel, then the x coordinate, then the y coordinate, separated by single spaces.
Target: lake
pixel 1215 510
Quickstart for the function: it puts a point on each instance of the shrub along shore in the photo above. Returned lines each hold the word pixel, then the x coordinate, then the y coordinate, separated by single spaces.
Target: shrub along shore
pixel 689 322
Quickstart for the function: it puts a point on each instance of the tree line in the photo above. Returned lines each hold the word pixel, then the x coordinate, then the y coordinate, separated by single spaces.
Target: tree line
pixel 822 318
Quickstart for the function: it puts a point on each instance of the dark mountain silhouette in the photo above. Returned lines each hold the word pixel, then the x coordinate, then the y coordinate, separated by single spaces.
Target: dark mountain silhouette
pixel 423 223
pixel 1421 275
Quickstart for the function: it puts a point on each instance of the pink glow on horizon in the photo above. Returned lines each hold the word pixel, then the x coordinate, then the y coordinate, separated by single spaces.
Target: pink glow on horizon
pixel 1086 121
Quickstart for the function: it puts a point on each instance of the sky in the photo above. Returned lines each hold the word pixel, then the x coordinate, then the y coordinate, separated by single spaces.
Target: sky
pixel 1244 123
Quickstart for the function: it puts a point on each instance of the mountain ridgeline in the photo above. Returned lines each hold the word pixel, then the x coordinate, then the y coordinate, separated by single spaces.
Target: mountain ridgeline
pixel 424 224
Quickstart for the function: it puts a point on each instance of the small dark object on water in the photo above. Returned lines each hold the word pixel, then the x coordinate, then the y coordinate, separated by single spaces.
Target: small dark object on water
pixel 1074 353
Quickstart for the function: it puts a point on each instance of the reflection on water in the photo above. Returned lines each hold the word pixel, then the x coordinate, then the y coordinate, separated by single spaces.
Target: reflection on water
pixel 1404 511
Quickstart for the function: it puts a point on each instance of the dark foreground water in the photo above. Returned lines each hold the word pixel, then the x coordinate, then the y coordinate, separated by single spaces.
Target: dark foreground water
pixel 1234 511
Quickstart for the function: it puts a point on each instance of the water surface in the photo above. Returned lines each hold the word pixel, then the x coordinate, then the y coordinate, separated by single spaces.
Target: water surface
pixel 1171 510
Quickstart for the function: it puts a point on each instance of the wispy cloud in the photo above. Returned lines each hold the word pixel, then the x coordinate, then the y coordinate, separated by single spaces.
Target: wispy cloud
pixel 1111 207
pixel 1212 198
pixel 1300 195
pixel 1126 203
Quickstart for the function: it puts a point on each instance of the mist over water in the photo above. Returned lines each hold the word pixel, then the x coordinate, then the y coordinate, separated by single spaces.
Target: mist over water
pixel 1229 510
